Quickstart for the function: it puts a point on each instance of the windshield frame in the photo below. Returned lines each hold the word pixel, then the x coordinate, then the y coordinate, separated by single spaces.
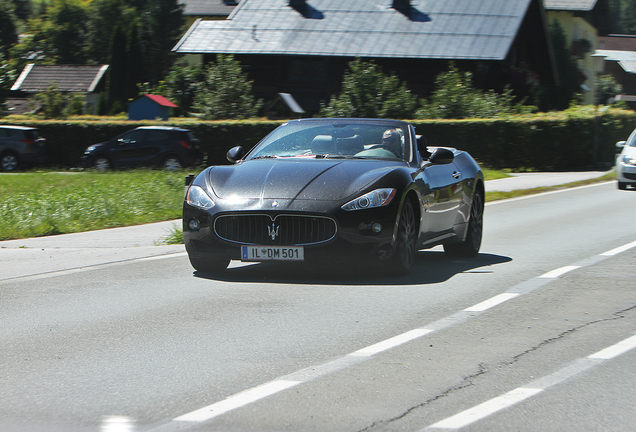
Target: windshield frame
pixel 331 138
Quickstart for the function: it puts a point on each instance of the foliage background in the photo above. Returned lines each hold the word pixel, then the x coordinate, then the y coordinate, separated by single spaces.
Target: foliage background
pixel 573 139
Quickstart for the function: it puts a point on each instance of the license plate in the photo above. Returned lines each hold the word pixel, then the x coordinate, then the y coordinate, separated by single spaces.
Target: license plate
pixel 267 253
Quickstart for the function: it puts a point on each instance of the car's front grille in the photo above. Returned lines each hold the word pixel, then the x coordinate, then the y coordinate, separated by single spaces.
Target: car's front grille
pixel 629 176
pixel 284 229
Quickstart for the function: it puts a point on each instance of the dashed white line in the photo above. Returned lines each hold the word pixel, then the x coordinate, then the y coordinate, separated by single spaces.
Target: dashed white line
pixel 615 350
pixel 619 249
pixel 256 393
pixel 391 343
pixel 492 302
pixel 483 410
pixel 559 272
pixel 237 401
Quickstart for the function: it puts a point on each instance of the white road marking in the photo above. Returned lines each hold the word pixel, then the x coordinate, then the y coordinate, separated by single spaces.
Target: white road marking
pixel 237 401
pixel 492 302
pixel 520 394
pixel 619 249
pixel 391 343
pixel 559 272
pixel 485 409
pixel 615 350
pixel 314 372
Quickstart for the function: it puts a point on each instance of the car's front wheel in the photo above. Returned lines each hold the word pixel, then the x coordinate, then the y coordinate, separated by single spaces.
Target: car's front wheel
pixel 470 246
pixel 404 252
pixel 216 265
pixel 9 162
pixel 622 185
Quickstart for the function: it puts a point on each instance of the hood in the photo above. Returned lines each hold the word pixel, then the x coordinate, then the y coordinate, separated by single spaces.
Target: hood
pixel 293 179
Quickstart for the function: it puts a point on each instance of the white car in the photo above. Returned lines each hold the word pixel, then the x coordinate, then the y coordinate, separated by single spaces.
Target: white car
pixel 626 162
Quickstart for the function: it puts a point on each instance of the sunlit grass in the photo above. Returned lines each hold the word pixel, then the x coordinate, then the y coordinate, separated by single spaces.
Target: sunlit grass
pixel 45 203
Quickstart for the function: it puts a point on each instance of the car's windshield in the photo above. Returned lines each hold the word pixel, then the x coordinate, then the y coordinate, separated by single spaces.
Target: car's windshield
pixel 631 141
pixel 339 140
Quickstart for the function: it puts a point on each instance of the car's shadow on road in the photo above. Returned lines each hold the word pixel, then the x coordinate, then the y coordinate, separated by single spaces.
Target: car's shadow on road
pixel 429 267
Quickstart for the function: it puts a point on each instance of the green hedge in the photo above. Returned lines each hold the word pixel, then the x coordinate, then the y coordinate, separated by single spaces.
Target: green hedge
pixel 567 140
pixel 551 142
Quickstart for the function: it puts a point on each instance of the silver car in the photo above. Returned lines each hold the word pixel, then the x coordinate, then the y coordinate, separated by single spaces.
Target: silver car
pixel 20 145
pixel 626 162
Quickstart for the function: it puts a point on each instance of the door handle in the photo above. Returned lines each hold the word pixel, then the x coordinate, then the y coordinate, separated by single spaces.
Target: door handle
pixel 456 174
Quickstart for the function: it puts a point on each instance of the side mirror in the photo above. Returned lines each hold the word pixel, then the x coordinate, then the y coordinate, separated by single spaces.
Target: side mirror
pixel 441 156
pixel 235 154
pixel 620 144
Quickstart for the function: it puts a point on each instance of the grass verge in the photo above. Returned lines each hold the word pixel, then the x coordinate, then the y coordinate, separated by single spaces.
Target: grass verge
pixel 34 204
pixel 40 203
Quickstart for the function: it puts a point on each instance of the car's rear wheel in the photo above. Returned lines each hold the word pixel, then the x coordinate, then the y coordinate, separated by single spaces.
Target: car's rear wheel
pixel 216 265
pixel 622 185
pixel 9 162
pixel 404 252
pixel 470 246
pixel 172 163
pixel 101 163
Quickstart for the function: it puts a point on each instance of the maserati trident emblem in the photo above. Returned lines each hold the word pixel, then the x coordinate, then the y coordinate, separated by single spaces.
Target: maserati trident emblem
pixel 273 230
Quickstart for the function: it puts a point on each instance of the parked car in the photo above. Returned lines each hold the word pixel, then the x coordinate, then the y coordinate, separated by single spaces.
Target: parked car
pixel 335 190
pixel 157 146
pixel 626 162
pixel 20 145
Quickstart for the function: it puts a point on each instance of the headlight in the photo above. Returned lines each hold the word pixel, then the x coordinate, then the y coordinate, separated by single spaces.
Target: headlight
pixel 376 198
pixel 197 197
pixel 629 160
pixel 90 149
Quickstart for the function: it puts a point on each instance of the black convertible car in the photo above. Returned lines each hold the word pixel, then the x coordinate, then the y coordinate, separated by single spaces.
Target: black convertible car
pixel 335 190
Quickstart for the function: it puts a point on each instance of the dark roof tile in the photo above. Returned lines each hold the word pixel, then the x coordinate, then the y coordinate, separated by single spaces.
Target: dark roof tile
pixel 452 29
pixel 69 78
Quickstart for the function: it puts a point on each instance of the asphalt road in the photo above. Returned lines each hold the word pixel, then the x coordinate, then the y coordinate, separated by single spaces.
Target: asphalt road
pixel 535 334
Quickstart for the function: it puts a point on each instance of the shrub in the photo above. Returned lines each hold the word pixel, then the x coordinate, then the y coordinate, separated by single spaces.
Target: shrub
pixel 456 98
pixel 226 92
pixel 368 92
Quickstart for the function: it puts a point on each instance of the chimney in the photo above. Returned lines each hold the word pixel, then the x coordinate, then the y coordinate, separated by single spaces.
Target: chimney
pixel 401 4
pixel 296 3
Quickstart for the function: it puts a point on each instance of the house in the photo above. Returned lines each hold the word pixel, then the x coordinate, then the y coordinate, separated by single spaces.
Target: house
pixel 583 21
pixel 303 47
pixel 618 55
pixel 88 80
pixel 205 9
pixel 150 107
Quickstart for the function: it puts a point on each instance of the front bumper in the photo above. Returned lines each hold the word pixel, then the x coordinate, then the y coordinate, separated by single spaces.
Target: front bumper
pixel 354 241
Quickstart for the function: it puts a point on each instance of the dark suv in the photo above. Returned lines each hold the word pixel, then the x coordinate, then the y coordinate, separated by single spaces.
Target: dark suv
pixel 159 146
pixel 20 145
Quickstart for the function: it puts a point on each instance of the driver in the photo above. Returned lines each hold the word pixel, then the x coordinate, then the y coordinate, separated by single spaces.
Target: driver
pixel 392 141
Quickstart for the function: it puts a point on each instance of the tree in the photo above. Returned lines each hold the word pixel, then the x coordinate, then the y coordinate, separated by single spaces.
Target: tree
pixel 180 86
pixel 103 17
pixel 56 37
pixel 8 30
pixel 606 89
pixel 226 93
pixel 161 28
pixel 455 98
pixel 68 31
pixel 624 15
pixel 116 76
pixel 52 102
pixel 559 97
pixel 7 78
pixel 368 92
